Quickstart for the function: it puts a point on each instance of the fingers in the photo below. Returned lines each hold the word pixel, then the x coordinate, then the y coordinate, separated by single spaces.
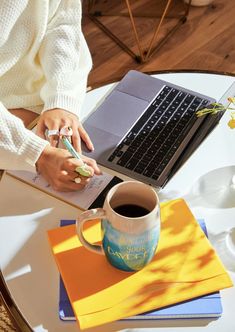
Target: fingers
pixel 53 137
pixel 85 137
pixel 40 129
pixel 65 183
pixel 49 130
pixel 61 174
pixel 56 119
pixel 93 165
pixel 58 168
pixel 70 181
pixel 76 141
pixel 74 180
pixel 53 131
pixel 89 166
pixel 80 168
pixel 78 134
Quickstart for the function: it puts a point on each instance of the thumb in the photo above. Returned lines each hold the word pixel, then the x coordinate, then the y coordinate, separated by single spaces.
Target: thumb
pixel 40 129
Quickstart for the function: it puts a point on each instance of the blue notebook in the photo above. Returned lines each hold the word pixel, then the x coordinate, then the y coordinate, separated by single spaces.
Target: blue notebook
pixel 208 306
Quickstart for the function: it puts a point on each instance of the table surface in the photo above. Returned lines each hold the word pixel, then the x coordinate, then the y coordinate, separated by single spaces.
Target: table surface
pixel 26 214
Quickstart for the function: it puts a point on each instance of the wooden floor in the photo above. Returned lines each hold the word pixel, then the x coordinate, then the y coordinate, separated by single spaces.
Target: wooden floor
pixel 205 42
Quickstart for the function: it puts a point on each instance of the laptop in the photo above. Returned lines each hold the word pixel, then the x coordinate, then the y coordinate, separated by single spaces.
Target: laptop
pixel 146 128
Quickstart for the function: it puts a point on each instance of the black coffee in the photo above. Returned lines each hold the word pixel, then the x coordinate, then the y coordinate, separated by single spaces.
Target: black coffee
pixel 131 210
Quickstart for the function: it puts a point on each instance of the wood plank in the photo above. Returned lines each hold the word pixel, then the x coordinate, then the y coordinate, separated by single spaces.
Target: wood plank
pixel 205 42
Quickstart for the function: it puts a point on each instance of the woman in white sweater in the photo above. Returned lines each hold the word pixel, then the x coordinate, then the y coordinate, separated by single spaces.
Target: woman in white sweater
pixel 44 64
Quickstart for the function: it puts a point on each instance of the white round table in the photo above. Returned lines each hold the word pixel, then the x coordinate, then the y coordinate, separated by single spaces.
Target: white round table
pixel 30 279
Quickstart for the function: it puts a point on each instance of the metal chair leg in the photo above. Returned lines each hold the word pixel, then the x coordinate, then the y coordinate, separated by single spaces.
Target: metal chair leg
pixel 143 55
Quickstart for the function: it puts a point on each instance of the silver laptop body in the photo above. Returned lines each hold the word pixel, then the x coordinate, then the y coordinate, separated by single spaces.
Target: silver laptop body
pixel 121 110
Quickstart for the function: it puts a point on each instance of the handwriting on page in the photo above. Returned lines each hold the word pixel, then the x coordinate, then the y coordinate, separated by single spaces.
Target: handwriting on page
pixel 82 198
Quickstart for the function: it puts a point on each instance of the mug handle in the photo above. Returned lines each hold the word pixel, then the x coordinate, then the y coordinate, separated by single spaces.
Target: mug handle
pixel 84 217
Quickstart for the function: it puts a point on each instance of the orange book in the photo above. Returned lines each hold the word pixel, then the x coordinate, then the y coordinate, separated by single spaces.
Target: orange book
pixel 185 266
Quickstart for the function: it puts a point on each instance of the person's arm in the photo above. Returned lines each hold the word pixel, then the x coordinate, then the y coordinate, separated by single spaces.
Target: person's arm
pixel 21 149
pixel 66 62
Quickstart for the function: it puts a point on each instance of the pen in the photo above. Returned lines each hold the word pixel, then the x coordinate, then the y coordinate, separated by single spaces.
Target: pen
pixel 82 170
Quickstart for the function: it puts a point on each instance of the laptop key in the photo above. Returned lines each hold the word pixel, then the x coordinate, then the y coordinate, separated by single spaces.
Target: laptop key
pixel 131 164
pixel 124 159
pixel 155 176
pixel 112 157
pixel 149 171
pixel 131 149
pixel 119 153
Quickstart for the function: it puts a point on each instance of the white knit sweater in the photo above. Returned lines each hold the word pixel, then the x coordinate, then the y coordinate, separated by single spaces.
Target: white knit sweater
pixel 44 64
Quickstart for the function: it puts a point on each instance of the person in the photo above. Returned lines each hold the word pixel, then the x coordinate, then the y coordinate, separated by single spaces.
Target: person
pixel 44 65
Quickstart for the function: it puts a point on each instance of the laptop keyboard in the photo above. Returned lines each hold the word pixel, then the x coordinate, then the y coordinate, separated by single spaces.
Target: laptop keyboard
pixel 154 139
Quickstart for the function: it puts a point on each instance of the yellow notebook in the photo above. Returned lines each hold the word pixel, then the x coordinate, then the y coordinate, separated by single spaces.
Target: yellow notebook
pixel 185 266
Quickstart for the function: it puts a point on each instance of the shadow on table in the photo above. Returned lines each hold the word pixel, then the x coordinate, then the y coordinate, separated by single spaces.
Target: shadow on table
pixel 22 277
pixel 215 189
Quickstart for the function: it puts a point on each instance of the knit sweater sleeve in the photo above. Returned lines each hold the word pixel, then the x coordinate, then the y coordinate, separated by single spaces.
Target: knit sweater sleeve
pixel 65 59
pixel 20 148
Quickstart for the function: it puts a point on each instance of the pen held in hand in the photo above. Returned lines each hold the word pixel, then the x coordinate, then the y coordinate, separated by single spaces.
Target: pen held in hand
pixel 82 170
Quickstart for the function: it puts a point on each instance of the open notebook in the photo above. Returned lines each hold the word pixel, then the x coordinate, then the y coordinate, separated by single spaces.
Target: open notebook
pixel 91 196
pixel 208 306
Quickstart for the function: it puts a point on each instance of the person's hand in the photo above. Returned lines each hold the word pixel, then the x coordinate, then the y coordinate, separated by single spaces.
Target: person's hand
pixel 57 166
pixel 57 118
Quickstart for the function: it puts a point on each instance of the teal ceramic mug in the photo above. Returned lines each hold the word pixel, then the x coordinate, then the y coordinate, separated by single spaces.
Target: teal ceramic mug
pixel 130 225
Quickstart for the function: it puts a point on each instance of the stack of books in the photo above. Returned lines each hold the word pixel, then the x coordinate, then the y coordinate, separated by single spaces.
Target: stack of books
pixel 208 306
pixel 182 281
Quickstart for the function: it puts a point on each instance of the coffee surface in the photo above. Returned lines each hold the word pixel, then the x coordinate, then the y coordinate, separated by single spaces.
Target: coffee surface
pixel 131 210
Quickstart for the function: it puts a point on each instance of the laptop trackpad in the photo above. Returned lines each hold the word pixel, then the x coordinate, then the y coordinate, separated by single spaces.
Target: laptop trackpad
pixel 103 141
pixel 117 113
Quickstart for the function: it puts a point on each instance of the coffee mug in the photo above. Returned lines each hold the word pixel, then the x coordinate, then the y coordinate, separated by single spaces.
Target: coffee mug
pixel 130 225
